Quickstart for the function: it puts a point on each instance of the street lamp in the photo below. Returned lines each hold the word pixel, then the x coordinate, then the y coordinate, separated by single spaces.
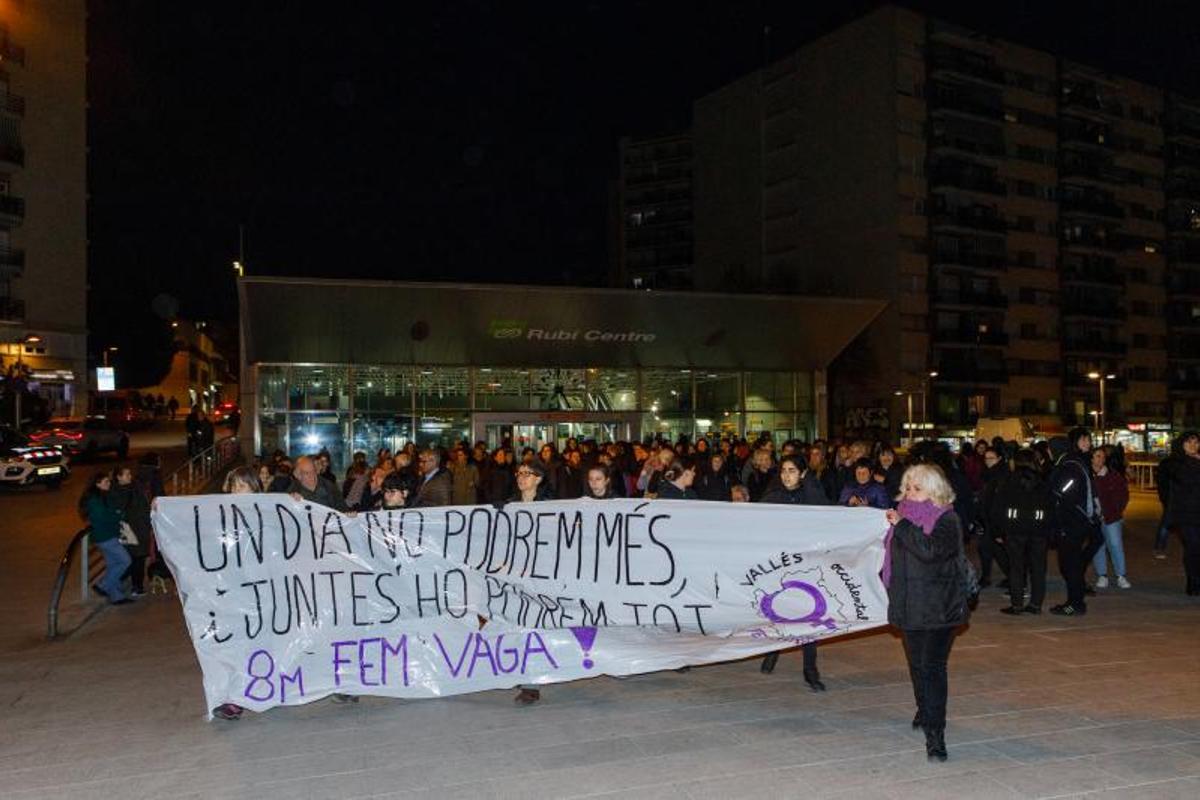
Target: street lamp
pixel 923 391
pixel 1096 376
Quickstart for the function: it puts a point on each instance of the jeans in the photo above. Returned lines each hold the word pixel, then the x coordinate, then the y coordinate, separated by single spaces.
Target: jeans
pixel 116 561
pixel 1027 556
pixel 1112 546
pixel 927 653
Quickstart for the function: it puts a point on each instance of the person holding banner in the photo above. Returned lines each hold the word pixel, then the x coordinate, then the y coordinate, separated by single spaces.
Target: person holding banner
pixel 797 486
pixel 927 595
pixel 105 523
pixel 242 480
pixel 531 488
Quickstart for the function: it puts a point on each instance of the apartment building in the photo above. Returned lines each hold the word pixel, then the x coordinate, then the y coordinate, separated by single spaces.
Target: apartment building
pixel 43 197
pixel 654 213
pixel 1010 203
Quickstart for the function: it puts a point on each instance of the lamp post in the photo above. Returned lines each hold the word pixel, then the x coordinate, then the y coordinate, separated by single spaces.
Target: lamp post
pixel 923 391
pixel 107 350
pixel 1100 419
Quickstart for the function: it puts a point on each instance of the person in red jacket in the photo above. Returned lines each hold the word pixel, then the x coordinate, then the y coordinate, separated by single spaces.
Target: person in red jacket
pixel 1112 489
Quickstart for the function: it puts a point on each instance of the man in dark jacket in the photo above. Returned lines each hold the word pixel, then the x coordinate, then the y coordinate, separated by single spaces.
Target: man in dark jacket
pixel 436 487
pixel 1077 517
pixel 311 487
pixel 1184 509
pixel 990 543
pixel 1162 483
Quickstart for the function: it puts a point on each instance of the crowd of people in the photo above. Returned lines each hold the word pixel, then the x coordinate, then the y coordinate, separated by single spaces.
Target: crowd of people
pixel 1009 504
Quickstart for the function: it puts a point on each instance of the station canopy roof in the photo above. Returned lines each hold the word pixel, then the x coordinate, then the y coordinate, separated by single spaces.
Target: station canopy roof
pixel 317 321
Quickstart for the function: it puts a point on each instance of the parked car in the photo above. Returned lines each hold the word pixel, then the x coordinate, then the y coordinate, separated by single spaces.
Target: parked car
pixel 23 463
pixel 87 436
pixel 223 411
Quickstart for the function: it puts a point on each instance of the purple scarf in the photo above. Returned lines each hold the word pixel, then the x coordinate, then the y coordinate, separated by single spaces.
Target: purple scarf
pixel 924 515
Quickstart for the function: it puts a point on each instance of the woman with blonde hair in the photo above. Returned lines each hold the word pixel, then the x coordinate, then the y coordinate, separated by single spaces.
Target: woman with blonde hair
pixel 927 596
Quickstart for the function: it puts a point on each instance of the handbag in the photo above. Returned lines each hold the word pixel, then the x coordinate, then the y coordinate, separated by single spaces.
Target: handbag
pixel 969 578
pixel 127 537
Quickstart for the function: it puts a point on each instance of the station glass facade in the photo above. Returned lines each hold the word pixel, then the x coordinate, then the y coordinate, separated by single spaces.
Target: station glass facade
pixel 304 408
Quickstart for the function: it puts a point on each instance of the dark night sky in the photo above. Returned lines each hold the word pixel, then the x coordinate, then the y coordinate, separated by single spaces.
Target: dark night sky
pixel 443 140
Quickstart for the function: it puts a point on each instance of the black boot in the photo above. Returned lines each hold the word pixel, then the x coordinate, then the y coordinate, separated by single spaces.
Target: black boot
pixel 918 720
pixel 768 663
pixel 813 679
pixel 935 744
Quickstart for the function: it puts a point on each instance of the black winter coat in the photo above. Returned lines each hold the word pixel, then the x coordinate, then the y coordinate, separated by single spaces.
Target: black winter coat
pixel 715 485
pixel 1183 505
pixel 927 588
pixel 810 492
pixel 669 491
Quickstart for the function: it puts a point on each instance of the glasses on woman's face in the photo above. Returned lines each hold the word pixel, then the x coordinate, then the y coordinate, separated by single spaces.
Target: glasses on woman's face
pixel 525 473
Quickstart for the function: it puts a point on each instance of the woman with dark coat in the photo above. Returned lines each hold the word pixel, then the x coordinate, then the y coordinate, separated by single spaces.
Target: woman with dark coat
pixel 927 596
pixel 676 483
pixel 715 481
pixel 797 486
pixel 599 484
pixel 131 499
pixel 1183 509
pixel 499 484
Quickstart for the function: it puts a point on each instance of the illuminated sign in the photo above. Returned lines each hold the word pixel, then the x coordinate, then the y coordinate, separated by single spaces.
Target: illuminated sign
pixel 106 379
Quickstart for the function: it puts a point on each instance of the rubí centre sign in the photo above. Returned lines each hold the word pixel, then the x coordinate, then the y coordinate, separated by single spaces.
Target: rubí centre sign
pixel 521 330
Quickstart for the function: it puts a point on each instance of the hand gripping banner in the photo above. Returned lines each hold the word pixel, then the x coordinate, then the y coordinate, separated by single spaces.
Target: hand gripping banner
pixel 288 602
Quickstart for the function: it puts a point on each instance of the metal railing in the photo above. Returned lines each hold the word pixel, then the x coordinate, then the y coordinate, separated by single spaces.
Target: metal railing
pixel 196 473
pixel 202 467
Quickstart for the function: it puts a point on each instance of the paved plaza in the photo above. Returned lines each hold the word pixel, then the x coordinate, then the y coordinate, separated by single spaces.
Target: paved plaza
pixel 1104 705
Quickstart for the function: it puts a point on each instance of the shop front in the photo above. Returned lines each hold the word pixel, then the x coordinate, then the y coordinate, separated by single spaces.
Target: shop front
pixel 348 366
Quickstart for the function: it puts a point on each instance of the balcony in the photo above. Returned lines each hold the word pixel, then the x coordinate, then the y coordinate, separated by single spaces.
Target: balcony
pixel 1072 165
pixel 1111 243
pixel 970 106
pixel 13 154
pixel 944 59
pixel 971 374
pixel 12 262
pixel 1093 311
pixel 1094 277
pixel 963 179
pixel 1183 188
pixel 967 298
pixel 1091 207
pixel 980 261
pixel 1088 102
pixel 12 103
pixel 969 336
pixel 12 309
pixel 970 146
pixel 1094 346
pixel 970 219
pixel 12 206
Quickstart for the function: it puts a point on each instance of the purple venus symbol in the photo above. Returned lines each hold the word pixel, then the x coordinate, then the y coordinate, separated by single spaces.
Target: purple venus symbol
pixel 586 637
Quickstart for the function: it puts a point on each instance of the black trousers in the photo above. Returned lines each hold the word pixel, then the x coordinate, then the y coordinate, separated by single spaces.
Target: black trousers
pixel 810 657
pixel 991 550
pixel 1079 543
pixel 927 652
pixel 1026 558
pixel 1191 552
pixel 136 572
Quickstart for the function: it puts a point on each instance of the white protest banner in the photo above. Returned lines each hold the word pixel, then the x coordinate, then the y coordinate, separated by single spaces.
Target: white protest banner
pixel 288 602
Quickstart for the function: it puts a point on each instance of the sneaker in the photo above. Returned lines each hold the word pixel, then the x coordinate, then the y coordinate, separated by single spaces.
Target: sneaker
pixel 1102 582
pixel 1123 582
pixel 1067 610
pixel 228 711
pixel 1032 609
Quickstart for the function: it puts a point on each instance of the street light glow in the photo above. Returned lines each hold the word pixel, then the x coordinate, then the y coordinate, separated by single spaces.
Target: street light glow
pixel 1094 375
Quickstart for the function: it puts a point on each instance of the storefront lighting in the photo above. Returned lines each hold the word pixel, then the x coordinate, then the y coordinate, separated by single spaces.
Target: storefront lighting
pixel 312 440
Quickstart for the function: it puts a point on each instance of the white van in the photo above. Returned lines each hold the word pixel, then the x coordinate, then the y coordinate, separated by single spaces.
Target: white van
pixel 1010 429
